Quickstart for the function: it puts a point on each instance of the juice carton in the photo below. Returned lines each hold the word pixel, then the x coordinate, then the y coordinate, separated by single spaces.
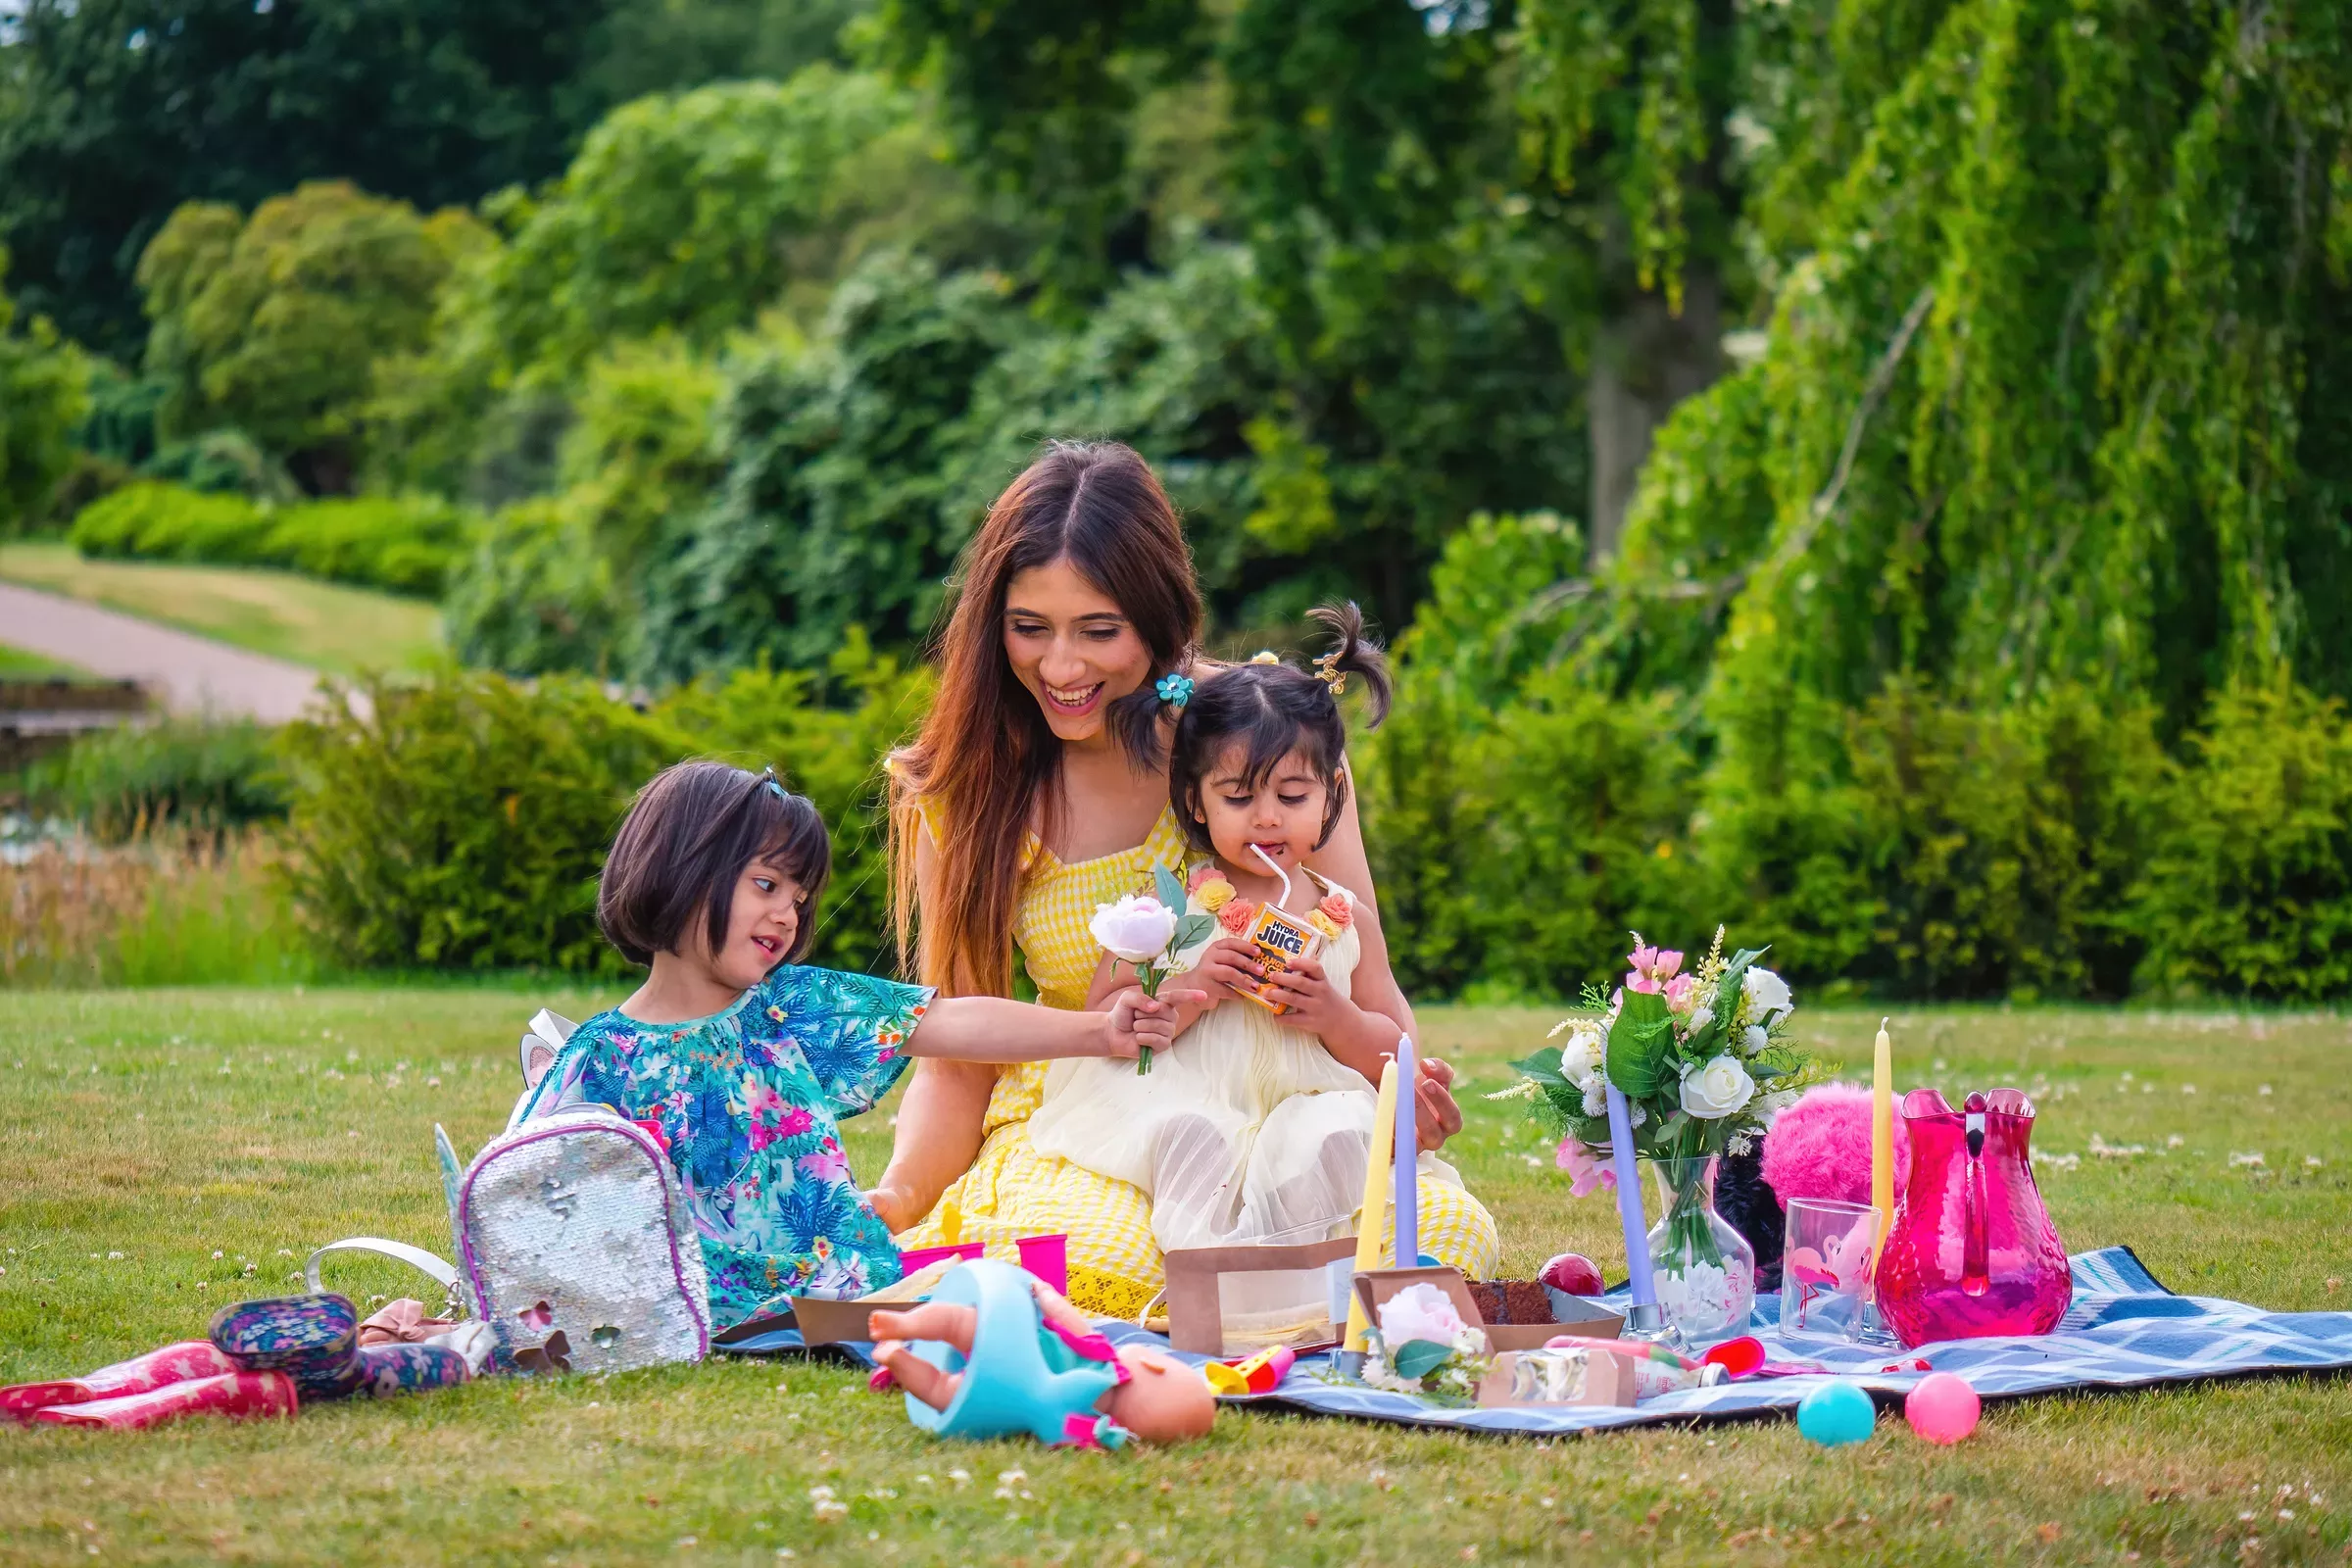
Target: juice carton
pixel 1281 940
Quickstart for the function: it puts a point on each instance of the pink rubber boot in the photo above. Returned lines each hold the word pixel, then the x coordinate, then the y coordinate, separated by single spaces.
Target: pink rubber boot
pixel 174 1363
pixel 233 1393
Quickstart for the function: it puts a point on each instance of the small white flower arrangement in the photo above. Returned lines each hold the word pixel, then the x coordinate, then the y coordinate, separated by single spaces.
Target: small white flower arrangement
pixel 1424 1347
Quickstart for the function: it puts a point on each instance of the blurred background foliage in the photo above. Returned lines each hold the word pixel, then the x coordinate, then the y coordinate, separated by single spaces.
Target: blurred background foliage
pixel 1874 471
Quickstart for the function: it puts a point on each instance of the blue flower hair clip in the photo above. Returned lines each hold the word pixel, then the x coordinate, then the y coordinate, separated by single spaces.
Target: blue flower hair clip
pixel 1176 689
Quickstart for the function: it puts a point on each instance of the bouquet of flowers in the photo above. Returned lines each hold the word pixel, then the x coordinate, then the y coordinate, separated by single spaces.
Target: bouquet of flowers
pixel 1147 932
pixel 1703 1058
pixel 1704 1065
pixel 1422 1348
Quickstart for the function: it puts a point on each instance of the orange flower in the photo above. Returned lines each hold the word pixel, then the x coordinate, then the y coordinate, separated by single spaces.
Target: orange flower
pixel 1237 915
pixel 1337 909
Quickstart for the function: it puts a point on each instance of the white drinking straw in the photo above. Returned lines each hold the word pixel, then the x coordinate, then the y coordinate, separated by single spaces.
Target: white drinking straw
pixel 1278 871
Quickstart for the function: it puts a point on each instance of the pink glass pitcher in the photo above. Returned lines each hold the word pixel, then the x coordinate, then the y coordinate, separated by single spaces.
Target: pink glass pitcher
pixel 1972 1251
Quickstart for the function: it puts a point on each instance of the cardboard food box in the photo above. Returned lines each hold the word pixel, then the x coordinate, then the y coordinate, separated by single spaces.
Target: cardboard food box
pixel 1201 1316
pixel 1374 1287
pixel 1557 1378
pixel 1282 940
pixel 822 1321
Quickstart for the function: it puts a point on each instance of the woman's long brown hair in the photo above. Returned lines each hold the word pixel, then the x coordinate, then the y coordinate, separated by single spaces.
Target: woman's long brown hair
pixel 986 761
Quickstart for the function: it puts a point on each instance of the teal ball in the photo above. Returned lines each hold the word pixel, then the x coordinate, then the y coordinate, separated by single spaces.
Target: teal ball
pixel 1837 1413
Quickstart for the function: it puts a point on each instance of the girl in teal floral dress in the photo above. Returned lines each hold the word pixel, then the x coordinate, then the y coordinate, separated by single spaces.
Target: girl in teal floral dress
pixel 743 1061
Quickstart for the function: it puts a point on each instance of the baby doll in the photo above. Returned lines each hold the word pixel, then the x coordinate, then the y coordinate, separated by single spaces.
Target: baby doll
pixel 1101 1395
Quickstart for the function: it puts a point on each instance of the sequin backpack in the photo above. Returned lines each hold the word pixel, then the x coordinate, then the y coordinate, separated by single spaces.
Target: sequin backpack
pixel 575 1246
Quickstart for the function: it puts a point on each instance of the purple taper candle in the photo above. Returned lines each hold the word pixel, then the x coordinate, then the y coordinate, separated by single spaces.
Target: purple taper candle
pixel 1408 1159
pixel 1628 1199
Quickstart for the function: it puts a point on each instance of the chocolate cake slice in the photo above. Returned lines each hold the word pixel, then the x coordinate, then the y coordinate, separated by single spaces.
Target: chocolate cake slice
pixel 1511 1300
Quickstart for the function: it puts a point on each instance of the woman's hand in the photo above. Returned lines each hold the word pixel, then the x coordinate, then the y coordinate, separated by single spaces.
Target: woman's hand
pixel 1435 1118
pixel 1135 1020
pixel 1228 965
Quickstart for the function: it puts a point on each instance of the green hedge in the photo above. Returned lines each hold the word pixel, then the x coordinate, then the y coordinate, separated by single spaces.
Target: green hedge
pixel 1524 814
pixel 460 825
pixel 187 773
pixel 402 546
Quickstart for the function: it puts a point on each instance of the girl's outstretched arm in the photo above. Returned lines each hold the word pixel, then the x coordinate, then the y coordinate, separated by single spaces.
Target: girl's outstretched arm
pixel 996 1030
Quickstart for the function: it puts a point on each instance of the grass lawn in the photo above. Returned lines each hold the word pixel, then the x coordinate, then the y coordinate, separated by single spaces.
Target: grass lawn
pixel 16 663
pixel 163 1152
pixel 338 629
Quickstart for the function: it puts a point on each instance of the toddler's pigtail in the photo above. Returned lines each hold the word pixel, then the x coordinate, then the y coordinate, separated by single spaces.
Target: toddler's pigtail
pixel 1135 718
pixel 1356 659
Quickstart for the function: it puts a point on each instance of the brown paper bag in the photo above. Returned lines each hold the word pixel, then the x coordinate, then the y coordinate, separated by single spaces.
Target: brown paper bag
pixel 1210 1293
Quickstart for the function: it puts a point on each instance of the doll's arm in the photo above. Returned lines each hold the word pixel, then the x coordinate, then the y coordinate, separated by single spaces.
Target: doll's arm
pixel 948 1322
pixel 930 1384
pixel 1056 1308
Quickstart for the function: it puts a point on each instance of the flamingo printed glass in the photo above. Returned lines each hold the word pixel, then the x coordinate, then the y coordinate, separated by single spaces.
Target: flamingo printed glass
pixel 1826 1267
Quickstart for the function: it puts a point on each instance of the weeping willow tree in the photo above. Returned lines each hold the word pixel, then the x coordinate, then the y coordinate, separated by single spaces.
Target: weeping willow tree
pixel 2053 396
pixel 1986 617
pixel 2054 383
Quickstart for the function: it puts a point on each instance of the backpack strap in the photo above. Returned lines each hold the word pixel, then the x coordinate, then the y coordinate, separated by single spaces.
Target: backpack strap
pixel 415 1256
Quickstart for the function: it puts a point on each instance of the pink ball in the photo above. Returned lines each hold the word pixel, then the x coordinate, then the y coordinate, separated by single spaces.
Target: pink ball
pixel 1820 1147
pixel 1942 1407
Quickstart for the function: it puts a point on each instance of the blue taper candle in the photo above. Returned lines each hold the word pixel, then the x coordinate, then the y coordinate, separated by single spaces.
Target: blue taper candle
pixel 1408 1157
pixel 1628 1199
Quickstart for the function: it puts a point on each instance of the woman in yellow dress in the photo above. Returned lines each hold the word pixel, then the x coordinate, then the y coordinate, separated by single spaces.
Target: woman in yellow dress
pixel 1037 790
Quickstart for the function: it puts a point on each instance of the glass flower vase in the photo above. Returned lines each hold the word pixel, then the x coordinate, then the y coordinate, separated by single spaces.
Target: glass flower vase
pixel 1704 1270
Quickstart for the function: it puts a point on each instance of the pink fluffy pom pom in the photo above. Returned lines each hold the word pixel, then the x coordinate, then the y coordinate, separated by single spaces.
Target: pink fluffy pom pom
pixel 1820 1147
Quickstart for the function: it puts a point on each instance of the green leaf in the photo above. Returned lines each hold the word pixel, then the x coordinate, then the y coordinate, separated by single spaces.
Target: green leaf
pixel 1191 929
pixel 1727 989
pixel 1639 1042
pixel 1417 1358
pixel 1543 1066
pixel 1169 885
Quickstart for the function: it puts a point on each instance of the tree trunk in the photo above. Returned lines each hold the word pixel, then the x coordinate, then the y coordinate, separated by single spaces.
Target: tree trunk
pixel 1644 361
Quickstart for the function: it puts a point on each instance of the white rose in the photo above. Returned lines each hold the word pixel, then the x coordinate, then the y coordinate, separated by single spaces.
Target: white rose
pixel 1419 1312
pixel 1767 993
pixel 1136 928
pixel 1717 1089
pixel 1756 1038
pixel 1700 1020
pixel 1582 1054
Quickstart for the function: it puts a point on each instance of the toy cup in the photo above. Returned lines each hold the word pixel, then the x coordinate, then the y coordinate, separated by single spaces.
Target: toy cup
pixel 1825 1268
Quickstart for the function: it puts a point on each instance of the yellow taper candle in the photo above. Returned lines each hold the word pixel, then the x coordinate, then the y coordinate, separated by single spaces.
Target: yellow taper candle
pixel 1882 1132
pixel 1375 1214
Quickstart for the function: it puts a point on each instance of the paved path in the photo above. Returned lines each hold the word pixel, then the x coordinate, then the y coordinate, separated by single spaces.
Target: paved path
pixel 194 674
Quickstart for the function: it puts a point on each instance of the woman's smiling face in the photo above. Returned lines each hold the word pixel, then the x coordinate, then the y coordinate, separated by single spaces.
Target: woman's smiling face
pixel 1072 646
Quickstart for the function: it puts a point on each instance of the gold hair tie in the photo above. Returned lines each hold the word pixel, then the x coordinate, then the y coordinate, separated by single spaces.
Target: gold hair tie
pixel 1265 656
pixel 1336 679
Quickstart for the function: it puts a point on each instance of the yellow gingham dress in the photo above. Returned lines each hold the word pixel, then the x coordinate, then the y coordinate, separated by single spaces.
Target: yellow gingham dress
pixel 1012 1191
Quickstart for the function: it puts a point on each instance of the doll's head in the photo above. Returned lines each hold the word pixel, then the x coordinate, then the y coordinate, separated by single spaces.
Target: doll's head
pixel 716 866
pixel 1258 754
pixel 1162 1401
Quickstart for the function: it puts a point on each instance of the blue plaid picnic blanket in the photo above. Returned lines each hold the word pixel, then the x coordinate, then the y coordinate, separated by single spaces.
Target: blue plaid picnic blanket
pixel 2123 1331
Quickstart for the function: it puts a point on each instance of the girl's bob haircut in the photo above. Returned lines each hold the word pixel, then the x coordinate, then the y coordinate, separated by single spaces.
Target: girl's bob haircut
pixel 688 837
pixel 1266 711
